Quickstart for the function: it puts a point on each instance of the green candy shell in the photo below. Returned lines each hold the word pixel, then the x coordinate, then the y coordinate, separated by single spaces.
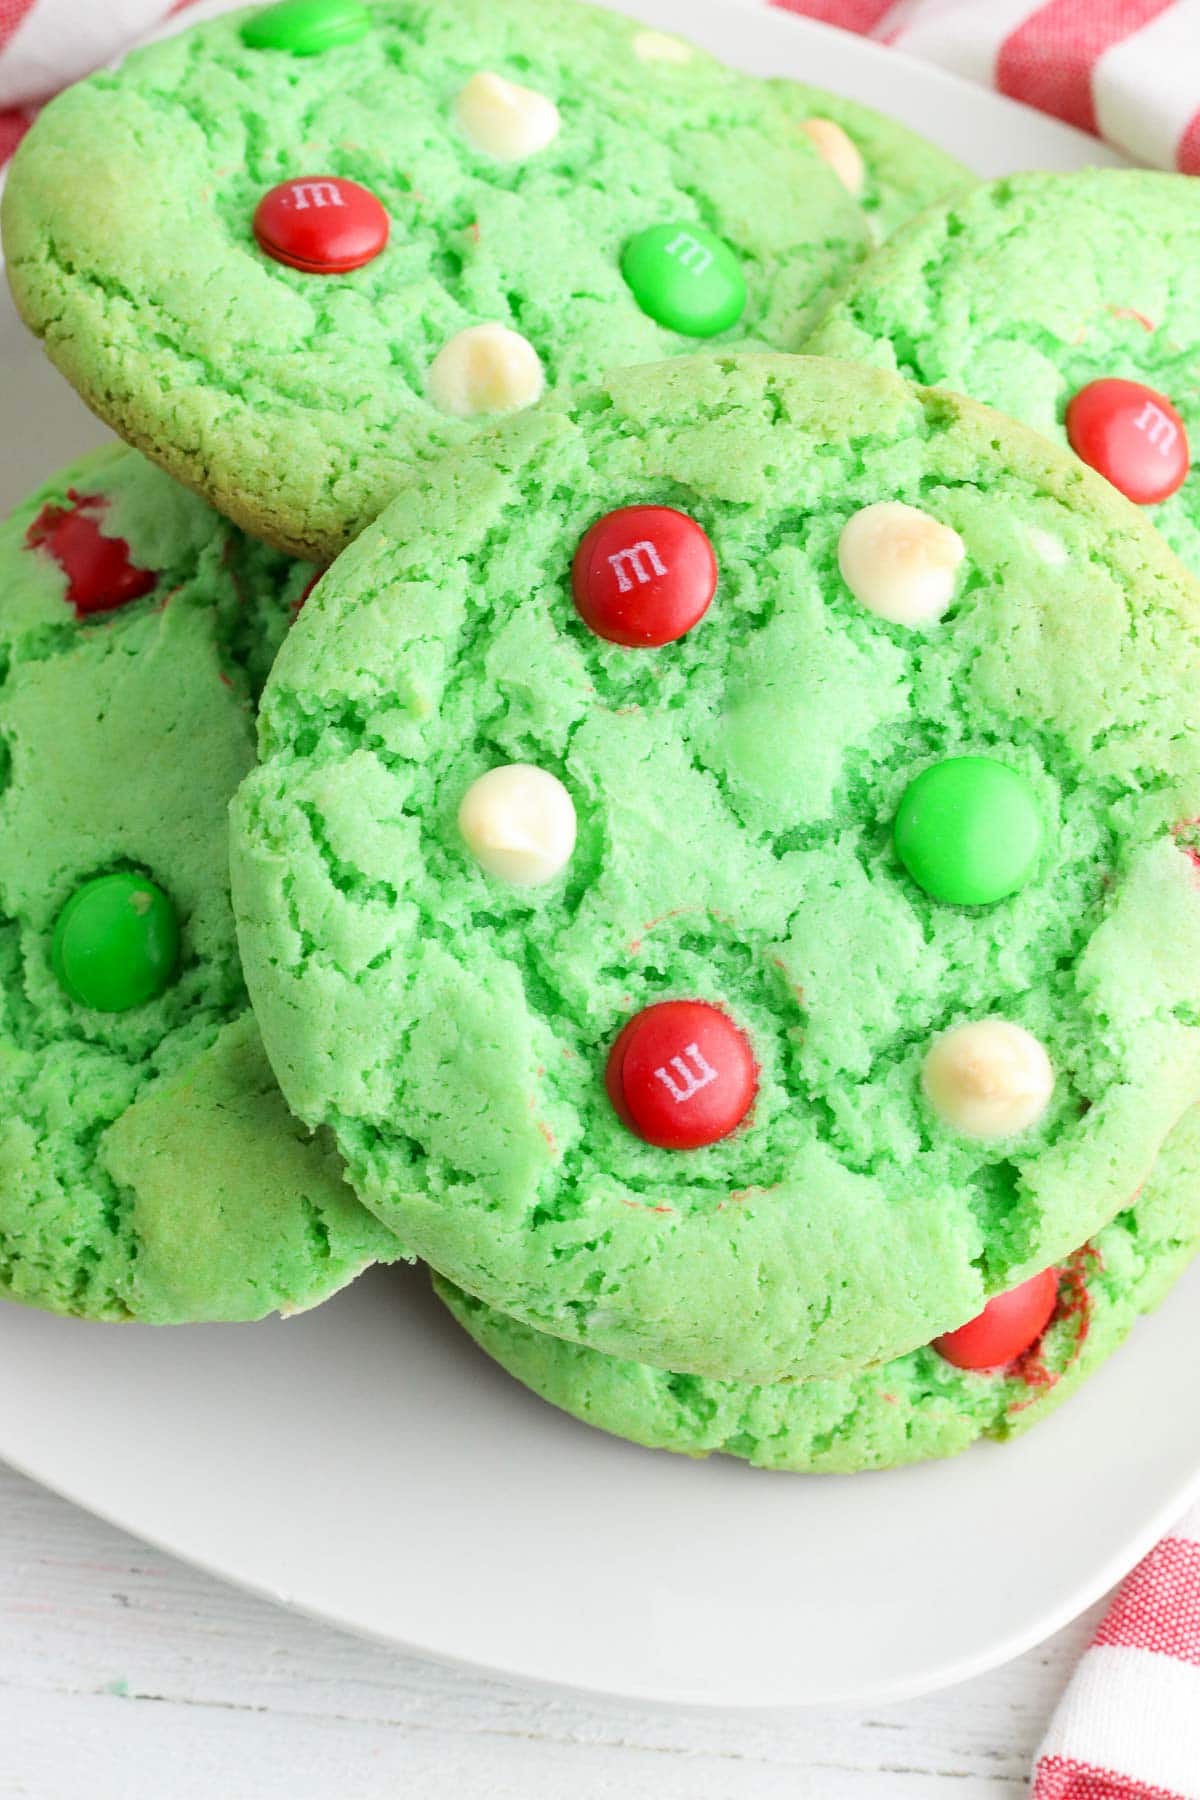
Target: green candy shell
pixel 306 27
pixel 968 830
pixel 116 943
pixel 685 278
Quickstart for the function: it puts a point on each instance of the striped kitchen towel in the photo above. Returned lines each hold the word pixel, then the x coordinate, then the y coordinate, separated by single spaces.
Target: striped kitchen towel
pixel 44 44
pixel 1128 70
pixel 1128 1726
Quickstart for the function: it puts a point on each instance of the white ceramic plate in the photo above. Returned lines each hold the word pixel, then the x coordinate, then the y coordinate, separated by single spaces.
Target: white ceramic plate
pixel 367 1464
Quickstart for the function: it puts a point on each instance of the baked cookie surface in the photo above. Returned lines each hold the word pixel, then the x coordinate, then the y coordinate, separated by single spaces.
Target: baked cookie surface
pixel 148 1165
pixel 1069 302
pixel 285 274
pixel 916 1407
pixel 891 171
pixel 719 863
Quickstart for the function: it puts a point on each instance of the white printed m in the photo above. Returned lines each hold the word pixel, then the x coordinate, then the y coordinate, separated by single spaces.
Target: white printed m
pixel 1153 421
pixel 692 1079
pixel 320 193
pixel 630 559
pixel 688 251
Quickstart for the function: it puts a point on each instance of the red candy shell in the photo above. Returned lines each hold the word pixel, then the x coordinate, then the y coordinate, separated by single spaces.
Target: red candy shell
pixel 322 224
pixel 306 590
pixel 681 1075
pixel 100 575
pixel 643 575
pixel 1132 436
pixel 1006 1327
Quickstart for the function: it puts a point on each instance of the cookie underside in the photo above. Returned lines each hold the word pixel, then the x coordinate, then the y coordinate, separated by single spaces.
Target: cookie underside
pixel 912 1409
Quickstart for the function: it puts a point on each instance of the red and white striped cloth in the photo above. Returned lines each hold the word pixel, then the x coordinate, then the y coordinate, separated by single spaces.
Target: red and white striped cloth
pixel 1128 70
pixel 44 44
pixel 1128 1726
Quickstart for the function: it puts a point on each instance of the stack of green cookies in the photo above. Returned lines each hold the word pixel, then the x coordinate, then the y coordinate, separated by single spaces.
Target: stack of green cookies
pixel 719 878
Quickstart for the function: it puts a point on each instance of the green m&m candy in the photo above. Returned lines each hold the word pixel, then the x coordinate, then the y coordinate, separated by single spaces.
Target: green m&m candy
pixel 685 277
pixel 116 942
pixel 306 27
pixel 968 830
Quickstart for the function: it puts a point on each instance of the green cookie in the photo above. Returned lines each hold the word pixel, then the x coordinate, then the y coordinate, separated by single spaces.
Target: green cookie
pixel 148 1166
pixel 295 400
pixel 891 171
pixel 1031 289
pixel 735 790
pixel 916 1407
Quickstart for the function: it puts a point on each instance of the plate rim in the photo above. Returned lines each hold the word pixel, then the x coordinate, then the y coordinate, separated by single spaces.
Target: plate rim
pixel 827 43
pixel 932 1679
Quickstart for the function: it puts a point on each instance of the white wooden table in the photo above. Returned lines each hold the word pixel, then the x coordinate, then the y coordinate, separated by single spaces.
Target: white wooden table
pixel 126 1676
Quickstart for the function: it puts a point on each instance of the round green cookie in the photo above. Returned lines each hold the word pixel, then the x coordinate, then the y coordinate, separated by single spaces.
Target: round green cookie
pixel 148 1166
pixel 916 1407
pixel 735 791
pixel 1029 289
pixel 295 400
pixel 897 172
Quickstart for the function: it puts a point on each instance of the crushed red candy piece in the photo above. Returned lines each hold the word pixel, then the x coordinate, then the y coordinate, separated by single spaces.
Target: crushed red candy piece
pixel 101 576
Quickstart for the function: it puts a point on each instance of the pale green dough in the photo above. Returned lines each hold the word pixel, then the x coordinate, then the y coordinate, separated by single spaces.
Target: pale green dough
pixel 296 402
pixel 911 1409
pixel 903 172
pixel 1029 288
pixel 735 792
pixel 148 1165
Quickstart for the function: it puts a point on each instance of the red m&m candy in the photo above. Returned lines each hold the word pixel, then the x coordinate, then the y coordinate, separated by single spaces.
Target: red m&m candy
pixel 100 575
pixel 1006 1327
pixel 681 1074
pixel 1130 435
pixel 643 575
pixel 321 223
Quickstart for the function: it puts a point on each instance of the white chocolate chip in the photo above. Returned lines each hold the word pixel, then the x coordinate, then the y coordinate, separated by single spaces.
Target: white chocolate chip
pixel 1051 549
pixel 656 46
pixel 485 369
pixel 988 1079
pixel 518 822
pixel 504 120
pixel 840 151
pixel 899 562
